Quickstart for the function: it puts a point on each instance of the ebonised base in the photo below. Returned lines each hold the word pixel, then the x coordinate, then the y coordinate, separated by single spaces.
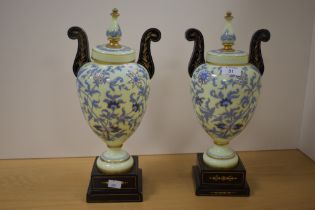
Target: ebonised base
pixel 130 190
pixel 219 182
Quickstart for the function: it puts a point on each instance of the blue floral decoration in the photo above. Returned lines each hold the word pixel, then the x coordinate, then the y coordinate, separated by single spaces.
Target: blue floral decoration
pixel 114 33
pixel 224 104
pixel 123 49
pixel 228 38
pixel 204 77
pixel 113 98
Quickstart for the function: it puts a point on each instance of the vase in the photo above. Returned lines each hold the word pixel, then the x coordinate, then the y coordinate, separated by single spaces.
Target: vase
pixel 113 90
pixel 225 89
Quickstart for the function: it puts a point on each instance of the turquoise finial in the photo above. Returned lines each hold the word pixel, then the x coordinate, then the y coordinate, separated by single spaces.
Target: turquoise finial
pixel 228 37
pixel 113 33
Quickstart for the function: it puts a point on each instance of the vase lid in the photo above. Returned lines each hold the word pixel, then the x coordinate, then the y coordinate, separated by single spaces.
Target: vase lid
pixel 113 52
pixel 227 55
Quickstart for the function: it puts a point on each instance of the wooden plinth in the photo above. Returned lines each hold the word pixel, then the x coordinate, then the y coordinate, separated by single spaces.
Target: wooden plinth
pixel 219 182
pixel 99 189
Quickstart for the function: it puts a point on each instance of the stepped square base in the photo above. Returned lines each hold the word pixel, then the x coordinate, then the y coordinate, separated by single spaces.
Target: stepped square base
pixel 115 188
pixel 219 182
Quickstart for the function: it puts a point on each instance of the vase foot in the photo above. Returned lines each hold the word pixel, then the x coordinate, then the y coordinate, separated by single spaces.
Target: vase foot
pixel 220 157
pixel 112 167
pixel 220 163
pixel 114 161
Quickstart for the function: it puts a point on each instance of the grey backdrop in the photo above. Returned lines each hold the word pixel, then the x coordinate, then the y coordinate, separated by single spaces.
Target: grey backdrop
pixel 40 113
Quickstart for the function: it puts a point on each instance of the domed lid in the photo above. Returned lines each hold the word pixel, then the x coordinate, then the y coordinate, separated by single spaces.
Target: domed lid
pixel 227 55
pixel 113 52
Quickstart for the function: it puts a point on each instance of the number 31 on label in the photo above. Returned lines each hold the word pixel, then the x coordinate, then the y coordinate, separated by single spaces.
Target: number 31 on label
pixel 231 71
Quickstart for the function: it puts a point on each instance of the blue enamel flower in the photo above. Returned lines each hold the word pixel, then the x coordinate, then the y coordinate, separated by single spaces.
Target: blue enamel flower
pixel 113 129
pixel 135 79
pixel 99 79
pixel 237 126
pixel 113 105
pixel 198 101
pixel 221 126
pixel 103 130
pixel 203 77
pixel 135 107
pixel 225 102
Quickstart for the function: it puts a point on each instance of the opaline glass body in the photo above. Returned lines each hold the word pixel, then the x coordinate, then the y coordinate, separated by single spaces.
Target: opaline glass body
pixel 113 99
pixel 224 98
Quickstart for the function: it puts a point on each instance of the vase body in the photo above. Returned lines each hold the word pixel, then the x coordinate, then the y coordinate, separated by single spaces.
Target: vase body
pixel 113 99
pixel 223 101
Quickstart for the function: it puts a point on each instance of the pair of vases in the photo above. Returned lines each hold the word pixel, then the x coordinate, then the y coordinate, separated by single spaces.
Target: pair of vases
pixel 113 90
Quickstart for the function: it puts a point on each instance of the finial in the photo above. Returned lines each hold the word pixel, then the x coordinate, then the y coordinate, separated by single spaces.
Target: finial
pixel 115 13
pixel 113 33
pixel 228 15
pixel 228 37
